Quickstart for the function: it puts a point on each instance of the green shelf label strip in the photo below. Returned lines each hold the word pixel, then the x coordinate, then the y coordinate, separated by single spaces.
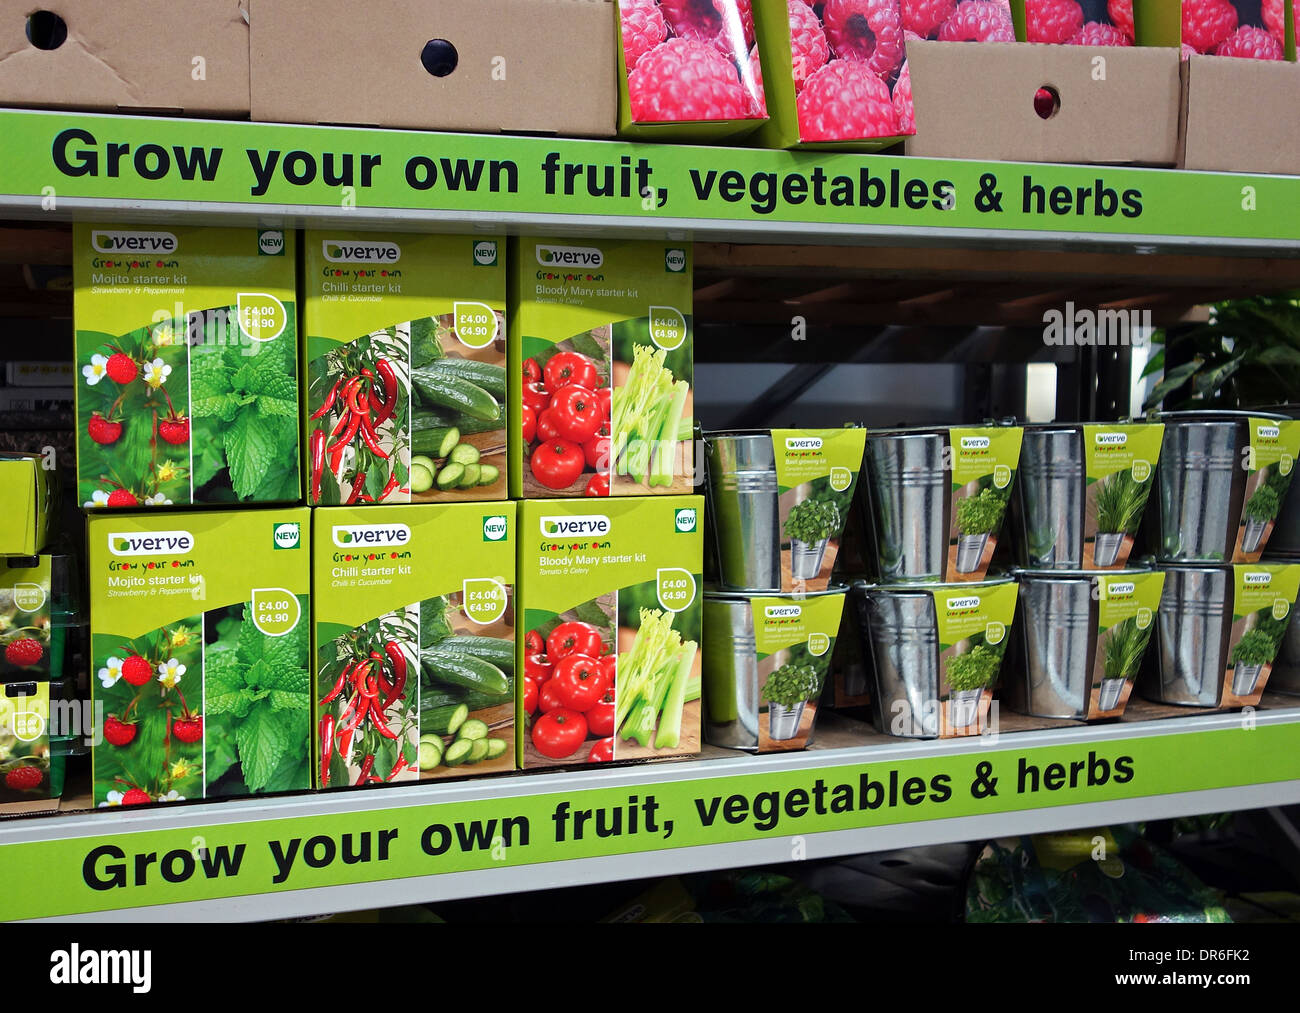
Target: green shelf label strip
pixel 117 868
pixel 273 168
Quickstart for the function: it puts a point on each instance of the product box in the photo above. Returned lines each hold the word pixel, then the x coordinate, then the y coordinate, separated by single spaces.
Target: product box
pixel 1219 131
pixel 199 654
pixel 414 644
pixel 166 57
pixel 405 368
pixel 762 687
pixel 601 368
pixel 29 487
pixel 529 66
pixel 1126 608
pixel 1270 461
pixel 611 629
pixel 1048 103
pixel 26 631
pixel 1119 461
pixel 1263 596
pixel 688 70
pixel 30 775
pixel 835 76
pixel 187 347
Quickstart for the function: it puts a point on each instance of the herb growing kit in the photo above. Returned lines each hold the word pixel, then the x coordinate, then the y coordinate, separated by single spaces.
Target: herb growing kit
pixel 187 351
pixel 199 654
pixel 611 629
pixel 414 670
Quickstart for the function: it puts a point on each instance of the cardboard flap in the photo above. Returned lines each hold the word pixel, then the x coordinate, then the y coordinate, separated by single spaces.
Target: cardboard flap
pixel 1223 133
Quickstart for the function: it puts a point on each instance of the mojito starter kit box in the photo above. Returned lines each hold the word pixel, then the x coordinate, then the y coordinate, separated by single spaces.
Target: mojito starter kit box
pixel 414 645
pixel 611 622
pixel 29 772
pixel 601 368
pixel 405 368
pixel 28 497
pixel 199 653
pixel 187 350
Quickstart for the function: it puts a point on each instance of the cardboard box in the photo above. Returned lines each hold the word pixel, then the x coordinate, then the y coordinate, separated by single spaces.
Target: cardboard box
pixel 1223 133
pixel 525 66
pixel 609 585
pixel 977 102
pixel 27 494
pixel 187 356
pixel 168 57
pixel 420 319
pixel 200 638
pixel 608 321
pixel 431 590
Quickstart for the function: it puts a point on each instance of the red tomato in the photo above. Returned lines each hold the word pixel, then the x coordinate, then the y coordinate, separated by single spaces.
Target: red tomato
pixel 529 419
pixel 547 699
pixel 533 643
pixel 600 718
pixel 546 426
pixel 596 451
pixel 557 464
pixel 560 733
pixel 532 371
pixel 530 696
pixel 579 682
pixel 605 396
pixel 577 413
pixel 538 668
pixel 567 368
pixel 602 751
pixel 609 668
pixel 535 397
pixel 574 638
pixel 597 485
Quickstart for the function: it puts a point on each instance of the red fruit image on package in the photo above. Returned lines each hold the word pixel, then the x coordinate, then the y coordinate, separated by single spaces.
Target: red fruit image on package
pixel 1080 22
pixel 1245 29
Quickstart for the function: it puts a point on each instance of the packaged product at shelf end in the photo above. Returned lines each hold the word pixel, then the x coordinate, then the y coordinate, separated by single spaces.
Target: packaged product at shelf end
pixel 29 497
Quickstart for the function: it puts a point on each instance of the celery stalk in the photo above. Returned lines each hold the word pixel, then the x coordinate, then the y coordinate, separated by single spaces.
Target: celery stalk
pixel 665 442
pixel 670 725
pixel 693 689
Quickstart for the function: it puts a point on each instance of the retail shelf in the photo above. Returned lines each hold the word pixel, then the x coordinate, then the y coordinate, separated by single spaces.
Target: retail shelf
pixel 59 164
pixel 439 843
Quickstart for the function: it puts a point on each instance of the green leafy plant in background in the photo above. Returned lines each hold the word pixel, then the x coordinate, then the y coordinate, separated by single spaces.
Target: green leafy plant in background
pixel 982 514
pixel 1264 505
pixel 1119 501
pixel 1248 353
pixel 1274 629
pixel 975 669
pixel 1125 645
pixel 1255 647
pixel 244 402
pixel 812 520
pixel 258 702
pixel 792 684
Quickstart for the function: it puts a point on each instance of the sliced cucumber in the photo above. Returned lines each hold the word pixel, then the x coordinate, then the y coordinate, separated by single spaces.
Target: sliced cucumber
pixel 464 453
pixel 445 720
pixel 424 461
pixel 450 476
pixel 478 750
pixel 488 474
pixel 470 478
pixel 496 748
pixel 473 729
pixel 421 478
pixel 430 756
pixel 458 752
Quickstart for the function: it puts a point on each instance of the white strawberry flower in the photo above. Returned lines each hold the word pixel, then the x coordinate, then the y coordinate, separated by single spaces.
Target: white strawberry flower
pixel 170 672
pixel 114 798
pixel 98 498
pixel 156 373
pixel 97 369
pixel 171 796
pixel 158 499
pixel 111 672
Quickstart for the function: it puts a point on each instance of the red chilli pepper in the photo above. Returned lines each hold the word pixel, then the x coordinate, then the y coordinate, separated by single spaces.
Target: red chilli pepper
pixel 345 744
pixel 398 660
pixel 329 400
pixel 377 718
pixel 366 764
pixel 348 435
pixel 371 439
pixel 317 445
pixel 359 680
pixel 338 686
pixel 357 483
pixel 326 747
pixel 336 461
pixel 350 394
pixel 389 403
pixel 390 488
pixel 357 717
pixel 398 767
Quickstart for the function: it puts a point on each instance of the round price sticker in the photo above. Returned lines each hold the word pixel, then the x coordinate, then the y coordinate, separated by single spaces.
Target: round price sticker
pixel 676 588
pixel 275 610
pixel 667 327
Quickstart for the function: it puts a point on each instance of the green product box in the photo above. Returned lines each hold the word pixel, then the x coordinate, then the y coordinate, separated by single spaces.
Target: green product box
pixel 1263 596
pixel 199 654
pixel 1119 461
pixel 28 502
pixel 404 361
pixel 972 625
pixel 1126 608
pixel 1270 460
pixel 601 368
pixel 414 641
pixel 187 344
pixel 612 606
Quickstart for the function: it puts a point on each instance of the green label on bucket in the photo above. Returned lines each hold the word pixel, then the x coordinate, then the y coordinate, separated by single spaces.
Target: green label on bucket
pixel 972 623
pixel 1263 596
pixel 1119 461
pixel 793 620
pixel 1270 461
pixel 816 472
pixel 991 452
pixel 1126 603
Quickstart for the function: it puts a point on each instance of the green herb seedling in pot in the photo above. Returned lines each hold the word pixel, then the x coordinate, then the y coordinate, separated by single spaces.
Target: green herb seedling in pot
pixel 975 669
pixel 982 514
pixel 812 520
pixel 791 685
pixel 1124 649
pixel 1255 647
pixel 1119 500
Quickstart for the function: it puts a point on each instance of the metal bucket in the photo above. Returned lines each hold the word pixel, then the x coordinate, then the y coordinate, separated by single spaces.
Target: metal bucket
pixel 1105 548
pixel 1058 623
pixel 964 707
pixel 730 674
pixel 1201 484
pixel 969 550
pixel 1192 630
pixel 1286 666
pixel 782 721
pixel 1108 698
pixel 746 517
pixel 806 559
pixel 907 491
pixel 1051 484
pixel 1244 678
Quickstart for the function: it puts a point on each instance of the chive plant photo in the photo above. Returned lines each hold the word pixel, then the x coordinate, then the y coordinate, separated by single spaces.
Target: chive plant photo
pixel 1117 502
pixel 1122 648
pixel 1262 508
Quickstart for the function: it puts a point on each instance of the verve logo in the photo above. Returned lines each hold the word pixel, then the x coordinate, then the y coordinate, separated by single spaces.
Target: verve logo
pixel 590 524
pixel 338 251
pixel 107 241
pixel 146 543
pixel 569 256
pixel 351 536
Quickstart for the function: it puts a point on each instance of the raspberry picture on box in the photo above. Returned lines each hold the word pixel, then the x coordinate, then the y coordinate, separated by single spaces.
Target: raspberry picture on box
pixel 689 61
pixel 1247 29
pixel 1079 22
